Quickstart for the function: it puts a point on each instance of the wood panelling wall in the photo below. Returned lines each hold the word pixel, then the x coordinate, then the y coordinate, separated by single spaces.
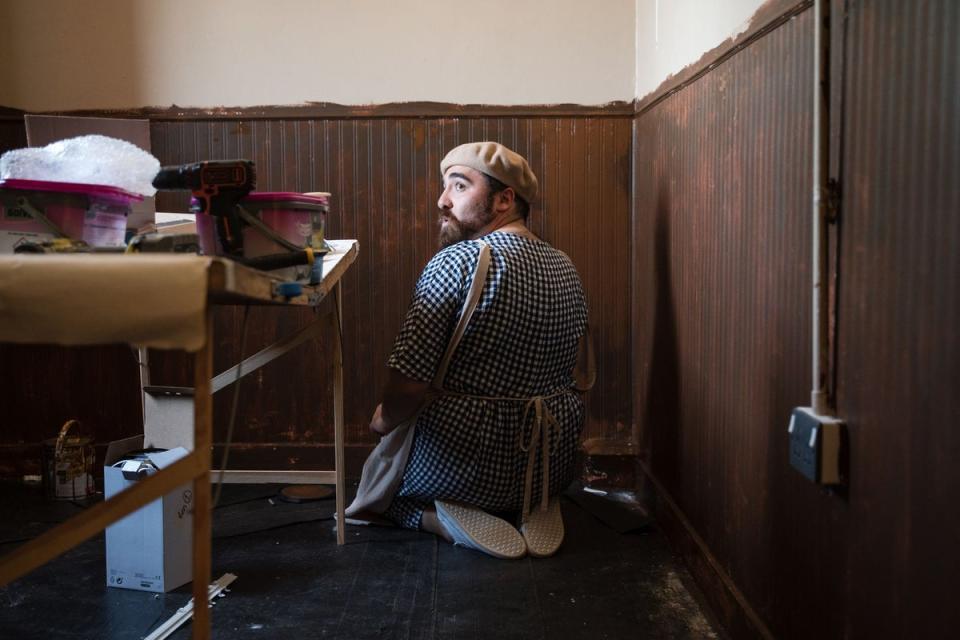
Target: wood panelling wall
pixel 721 298
pixel 721 325
pixel 384 174
pixel 898 356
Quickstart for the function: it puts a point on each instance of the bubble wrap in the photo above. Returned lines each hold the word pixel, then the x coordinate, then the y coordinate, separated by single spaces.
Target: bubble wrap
pixel 88 160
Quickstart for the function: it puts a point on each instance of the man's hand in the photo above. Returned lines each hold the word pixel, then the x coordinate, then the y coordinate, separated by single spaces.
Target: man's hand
pixel 377 425
pixel 402 398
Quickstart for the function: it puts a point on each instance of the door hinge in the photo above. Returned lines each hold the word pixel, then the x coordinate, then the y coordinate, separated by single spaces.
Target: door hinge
pixel 833 201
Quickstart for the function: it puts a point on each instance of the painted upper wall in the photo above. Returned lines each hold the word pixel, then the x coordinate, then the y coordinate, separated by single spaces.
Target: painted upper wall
pixel 115 54
pixel 102 54
pixel 672 34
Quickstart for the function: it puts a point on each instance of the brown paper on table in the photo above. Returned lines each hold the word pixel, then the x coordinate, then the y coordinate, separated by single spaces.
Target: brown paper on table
pixel 146 300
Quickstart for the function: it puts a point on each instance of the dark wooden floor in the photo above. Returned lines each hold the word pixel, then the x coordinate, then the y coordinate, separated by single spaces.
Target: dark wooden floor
pixel 294 582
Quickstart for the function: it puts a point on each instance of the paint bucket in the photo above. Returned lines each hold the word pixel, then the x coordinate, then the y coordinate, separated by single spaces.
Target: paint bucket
pixel 281 219
pixel 297 218
pixel 67 465
pixel 273 222
pixel 37 211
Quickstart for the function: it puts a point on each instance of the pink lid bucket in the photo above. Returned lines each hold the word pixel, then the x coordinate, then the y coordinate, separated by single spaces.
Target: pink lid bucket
pixel 297 218
pixel 94 213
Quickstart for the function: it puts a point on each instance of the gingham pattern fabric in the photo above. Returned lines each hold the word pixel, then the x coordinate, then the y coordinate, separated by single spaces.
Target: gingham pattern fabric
pixel 521 342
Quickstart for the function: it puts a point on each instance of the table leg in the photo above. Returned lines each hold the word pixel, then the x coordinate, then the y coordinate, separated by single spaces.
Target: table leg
pixel 202 439
pixel 338 411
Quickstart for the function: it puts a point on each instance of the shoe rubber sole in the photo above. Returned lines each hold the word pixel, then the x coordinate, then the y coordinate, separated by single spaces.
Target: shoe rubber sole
pixel 543 530
pixel 476 529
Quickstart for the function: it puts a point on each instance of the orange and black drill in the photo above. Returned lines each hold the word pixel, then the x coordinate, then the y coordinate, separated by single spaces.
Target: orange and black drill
pixel 218 186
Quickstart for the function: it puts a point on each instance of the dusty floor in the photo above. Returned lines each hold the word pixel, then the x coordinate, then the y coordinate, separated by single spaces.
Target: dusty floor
pixel 293 581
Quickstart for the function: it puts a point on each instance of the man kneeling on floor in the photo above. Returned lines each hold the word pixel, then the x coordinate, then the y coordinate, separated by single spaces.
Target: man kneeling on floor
pixel 482 409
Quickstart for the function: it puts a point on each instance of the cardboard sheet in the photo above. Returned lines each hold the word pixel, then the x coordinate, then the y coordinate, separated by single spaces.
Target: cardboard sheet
pixel 43 129
pixel 145 300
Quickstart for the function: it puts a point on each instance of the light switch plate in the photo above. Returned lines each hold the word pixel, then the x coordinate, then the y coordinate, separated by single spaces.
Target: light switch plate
pixel 816 445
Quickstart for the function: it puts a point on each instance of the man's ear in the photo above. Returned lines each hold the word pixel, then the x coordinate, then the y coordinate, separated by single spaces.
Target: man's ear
pixel 506 199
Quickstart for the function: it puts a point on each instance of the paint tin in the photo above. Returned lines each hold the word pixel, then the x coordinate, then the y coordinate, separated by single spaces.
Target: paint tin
pixel 295 217
pixel 67 465
pixel 284 220
pixel 35 211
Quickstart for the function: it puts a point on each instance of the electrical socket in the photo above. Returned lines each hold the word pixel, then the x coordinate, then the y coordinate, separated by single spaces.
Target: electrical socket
pixel 816 444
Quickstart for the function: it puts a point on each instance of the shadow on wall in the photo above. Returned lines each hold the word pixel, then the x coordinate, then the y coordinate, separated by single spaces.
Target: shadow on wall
pixel 662 413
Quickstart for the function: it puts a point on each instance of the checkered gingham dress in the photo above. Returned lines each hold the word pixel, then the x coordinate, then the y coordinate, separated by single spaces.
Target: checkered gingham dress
pixel 520 343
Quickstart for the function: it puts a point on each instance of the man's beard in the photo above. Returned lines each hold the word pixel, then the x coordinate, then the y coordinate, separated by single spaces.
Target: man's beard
pixel 455 231
pixel 452 232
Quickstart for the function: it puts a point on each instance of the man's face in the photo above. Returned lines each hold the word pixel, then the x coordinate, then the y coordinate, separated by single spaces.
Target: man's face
pixel 465 205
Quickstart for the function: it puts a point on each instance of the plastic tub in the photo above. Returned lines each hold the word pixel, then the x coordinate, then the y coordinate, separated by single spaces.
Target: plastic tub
pixel 297 218
pixel 96 214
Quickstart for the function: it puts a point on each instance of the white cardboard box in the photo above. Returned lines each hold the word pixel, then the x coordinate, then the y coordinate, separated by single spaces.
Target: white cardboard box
pixel 150 549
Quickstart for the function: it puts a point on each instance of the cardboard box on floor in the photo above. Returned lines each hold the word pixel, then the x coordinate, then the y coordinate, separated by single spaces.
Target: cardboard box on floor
pixel 150 549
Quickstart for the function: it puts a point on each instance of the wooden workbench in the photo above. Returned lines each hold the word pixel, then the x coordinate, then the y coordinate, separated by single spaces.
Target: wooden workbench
pixel 80 299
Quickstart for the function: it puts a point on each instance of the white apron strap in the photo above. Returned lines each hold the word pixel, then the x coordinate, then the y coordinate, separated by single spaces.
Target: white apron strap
pixel 469 305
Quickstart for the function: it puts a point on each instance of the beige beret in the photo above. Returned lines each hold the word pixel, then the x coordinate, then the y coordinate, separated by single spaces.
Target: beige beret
pixel 497 161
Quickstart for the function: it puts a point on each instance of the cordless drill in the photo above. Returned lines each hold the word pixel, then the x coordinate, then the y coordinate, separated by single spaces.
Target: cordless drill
pixel 218 186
